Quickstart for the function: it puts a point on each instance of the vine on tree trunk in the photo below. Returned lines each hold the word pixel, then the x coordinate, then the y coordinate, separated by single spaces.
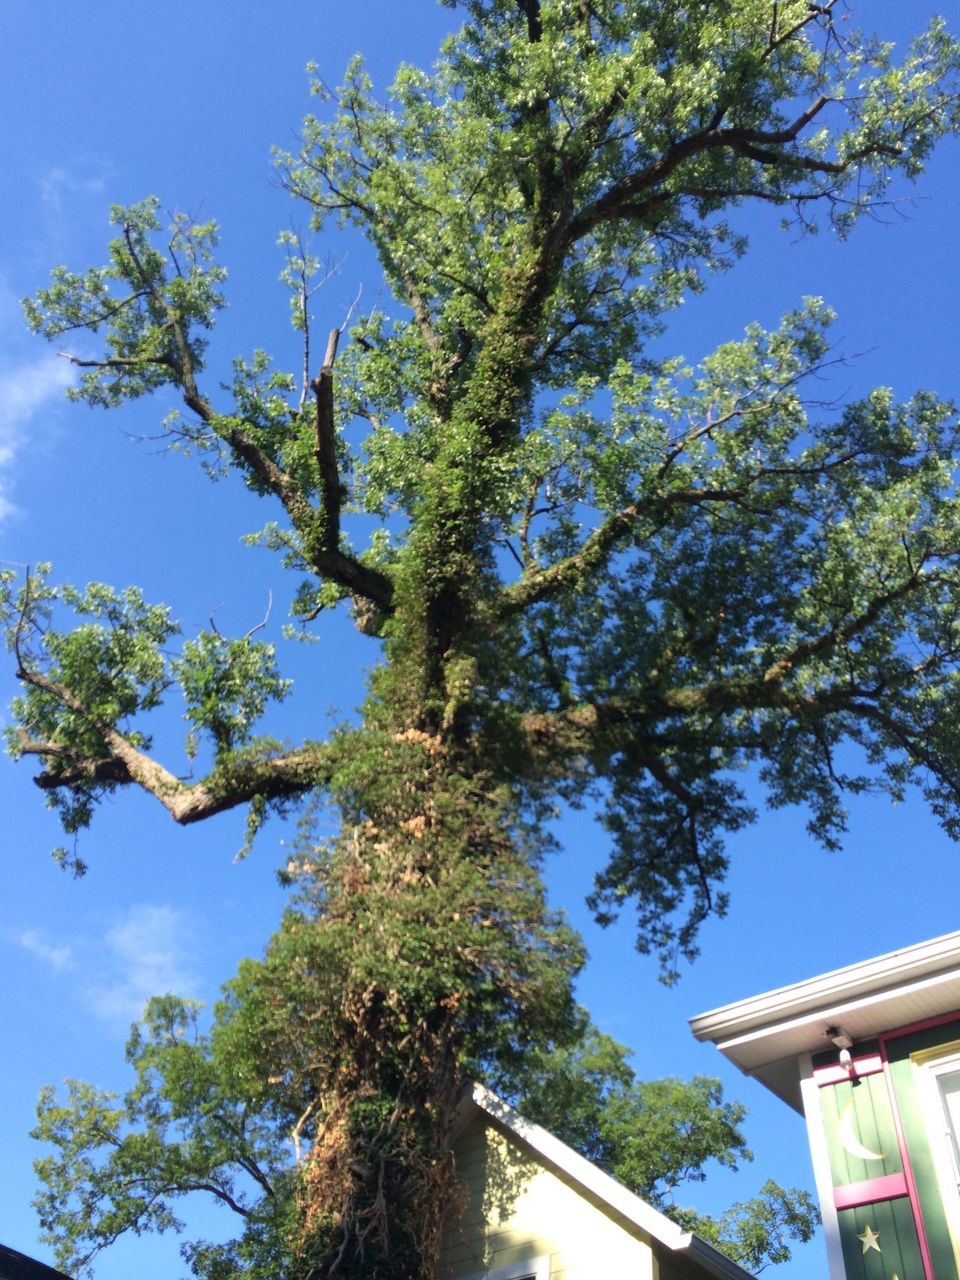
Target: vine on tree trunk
pixel 426 943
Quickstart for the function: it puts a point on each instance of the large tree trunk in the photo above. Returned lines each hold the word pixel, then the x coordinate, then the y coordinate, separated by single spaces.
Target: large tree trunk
pixel 429 937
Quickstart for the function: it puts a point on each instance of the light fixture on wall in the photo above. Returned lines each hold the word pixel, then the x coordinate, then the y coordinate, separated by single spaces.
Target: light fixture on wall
pixel 838 1037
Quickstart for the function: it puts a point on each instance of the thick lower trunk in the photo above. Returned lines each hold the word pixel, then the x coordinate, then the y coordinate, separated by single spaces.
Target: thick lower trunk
pixel 405 921
pixel 428 945
pixel 380 1182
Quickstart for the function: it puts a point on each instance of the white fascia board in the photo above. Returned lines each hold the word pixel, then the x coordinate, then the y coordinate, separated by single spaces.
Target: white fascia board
pixel 606 1189
pixel 852 985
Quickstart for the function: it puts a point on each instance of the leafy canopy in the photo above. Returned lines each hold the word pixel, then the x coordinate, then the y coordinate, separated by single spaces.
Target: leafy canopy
pixel 640 574
pixel 587 571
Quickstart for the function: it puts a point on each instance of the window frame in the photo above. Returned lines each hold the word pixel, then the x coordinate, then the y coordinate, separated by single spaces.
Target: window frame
pixel 930 1064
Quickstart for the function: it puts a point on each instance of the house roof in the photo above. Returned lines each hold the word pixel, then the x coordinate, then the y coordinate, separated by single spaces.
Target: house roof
pixel 766 1035
pixel 597 1185
pixel 17 1266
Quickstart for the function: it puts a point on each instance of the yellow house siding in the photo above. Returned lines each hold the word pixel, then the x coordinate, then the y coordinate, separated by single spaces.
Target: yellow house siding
pixel 518 1209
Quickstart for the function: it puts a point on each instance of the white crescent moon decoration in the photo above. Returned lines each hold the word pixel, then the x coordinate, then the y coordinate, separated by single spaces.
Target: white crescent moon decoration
pixel 848 1137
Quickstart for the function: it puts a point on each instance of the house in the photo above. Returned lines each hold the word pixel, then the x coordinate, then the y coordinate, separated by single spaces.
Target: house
pixel 870 1055
pixel 536 1210
pixel 17 1266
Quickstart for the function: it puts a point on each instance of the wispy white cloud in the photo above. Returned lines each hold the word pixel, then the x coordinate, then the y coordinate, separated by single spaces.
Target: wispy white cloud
pixel 63 200
pixel 58 956
pixel 66 198
pixel 27 390
pixel 148 953
pixel 58 185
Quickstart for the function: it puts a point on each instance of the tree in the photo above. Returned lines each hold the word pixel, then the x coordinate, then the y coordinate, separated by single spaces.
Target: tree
pixel 215 1113
pixel 581 569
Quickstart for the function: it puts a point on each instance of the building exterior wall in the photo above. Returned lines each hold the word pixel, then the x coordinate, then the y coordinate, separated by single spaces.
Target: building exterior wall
pixel 517 1210
pixel 889 1161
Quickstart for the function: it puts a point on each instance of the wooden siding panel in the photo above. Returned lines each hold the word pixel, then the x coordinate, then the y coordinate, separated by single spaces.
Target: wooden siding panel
pixel 939 1230
pixel 897 1250
pixel 860 1110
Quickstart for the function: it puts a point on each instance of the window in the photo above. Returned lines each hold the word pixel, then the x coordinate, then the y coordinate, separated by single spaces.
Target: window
pixel 948 1080
pixel 939 1071
pixel 943 1110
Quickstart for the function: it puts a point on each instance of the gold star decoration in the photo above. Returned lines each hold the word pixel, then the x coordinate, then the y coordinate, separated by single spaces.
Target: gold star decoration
pixel 869 1237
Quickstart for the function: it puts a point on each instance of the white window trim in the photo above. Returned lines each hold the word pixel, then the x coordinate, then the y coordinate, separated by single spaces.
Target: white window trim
pixel 931 1063
pixel 528 1269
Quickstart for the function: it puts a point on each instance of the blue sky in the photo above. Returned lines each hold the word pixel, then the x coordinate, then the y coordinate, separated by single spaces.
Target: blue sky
pixel 108 102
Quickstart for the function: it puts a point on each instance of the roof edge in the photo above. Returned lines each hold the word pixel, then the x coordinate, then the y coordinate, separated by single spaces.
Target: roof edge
pixel 922 960
pixel 32 1267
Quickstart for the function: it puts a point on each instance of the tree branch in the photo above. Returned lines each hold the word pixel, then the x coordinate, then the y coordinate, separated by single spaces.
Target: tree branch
pixel 912 742
pixel 332 491
pixel 623 198
pixel 246 1162
pixel 186 367
pixel 223 1196
pixel 232 784
pixel 541 584
pixel 592 729
pixel 117 362
pixel 597 548
pixel 544 583
pixel 843 634
pixel 531 11
pixel 328 561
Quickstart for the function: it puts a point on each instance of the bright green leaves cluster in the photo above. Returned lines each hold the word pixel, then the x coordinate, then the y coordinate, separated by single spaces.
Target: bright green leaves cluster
pixel 300 277
pixel 95 663
pixel 111 665
pixel 906 109
pixel 149 302
pixel 189 1124
pixel 261 404
pixel 227 685
pixel 260 395
pixel 83 1205
pixel 112 661
pixel 456 168
pixel 759 1232
pixel 653 1136
pixel 440 185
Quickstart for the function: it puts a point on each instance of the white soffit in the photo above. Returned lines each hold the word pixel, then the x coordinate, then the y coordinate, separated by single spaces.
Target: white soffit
pixel 765 1035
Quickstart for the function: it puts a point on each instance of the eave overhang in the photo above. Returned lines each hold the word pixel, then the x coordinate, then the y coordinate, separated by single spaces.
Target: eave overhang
pixel 766 1036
